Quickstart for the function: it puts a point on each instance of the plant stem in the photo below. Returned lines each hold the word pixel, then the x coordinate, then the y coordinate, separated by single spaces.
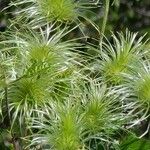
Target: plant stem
pixel 106 11
pixel 14 141
pixel 7 105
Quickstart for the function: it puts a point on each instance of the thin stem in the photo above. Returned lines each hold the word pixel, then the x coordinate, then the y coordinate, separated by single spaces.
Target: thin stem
pixel 106 11
pixel 7 105
pixel 14 141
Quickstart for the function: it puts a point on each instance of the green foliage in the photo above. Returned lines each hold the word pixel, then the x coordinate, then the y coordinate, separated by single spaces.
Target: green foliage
pixel 66 11
pixel 132 142
pixel 65 131
pixel 140 84
pixel 118 59
pixel 71 125
pixel 99 107
pixel 43 70
pixel 60 90
pixel 61 10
